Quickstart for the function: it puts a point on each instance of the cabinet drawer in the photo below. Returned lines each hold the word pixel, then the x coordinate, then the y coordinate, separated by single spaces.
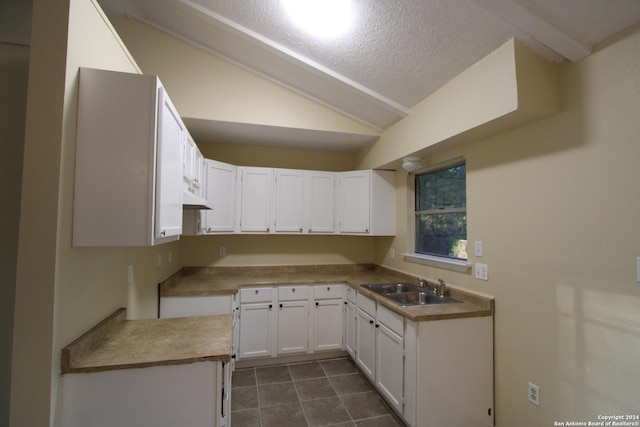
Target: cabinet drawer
pixel 331 291
pixel 292 293
pixel 350 294
pixel 256 295
pixel 367 305
pixel 391 320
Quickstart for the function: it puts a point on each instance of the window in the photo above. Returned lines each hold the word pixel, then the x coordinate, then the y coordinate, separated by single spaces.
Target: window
pixel 441 212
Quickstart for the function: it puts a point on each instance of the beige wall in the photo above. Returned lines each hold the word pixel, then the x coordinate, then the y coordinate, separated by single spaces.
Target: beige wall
pixel 204 86
pixel 14 68
pixel 556 204
pixel 62 291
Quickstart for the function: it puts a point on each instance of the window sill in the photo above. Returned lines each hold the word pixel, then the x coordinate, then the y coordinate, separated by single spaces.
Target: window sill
pixel 440 262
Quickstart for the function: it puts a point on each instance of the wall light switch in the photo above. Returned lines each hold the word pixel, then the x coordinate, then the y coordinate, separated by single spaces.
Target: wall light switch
pixel 222 250
pixel 478 247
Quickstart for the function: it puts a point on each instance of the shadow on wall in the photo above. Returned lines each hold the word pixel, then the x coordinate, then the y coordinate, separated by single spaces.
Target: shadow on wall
pixel 251 250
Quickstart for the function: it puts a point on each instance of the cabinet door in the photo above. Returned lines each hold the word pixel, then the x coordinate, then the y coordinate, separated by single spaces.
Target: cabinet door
pixel 289 200
pixel 355 202
pixel 220 190
pixel 327 325
pixel 171 132
pixel 351 319
pixel 293 330
pixel 256 326
pixel 390 365
pixel 320 201
pixel 366 344
pixel 255 201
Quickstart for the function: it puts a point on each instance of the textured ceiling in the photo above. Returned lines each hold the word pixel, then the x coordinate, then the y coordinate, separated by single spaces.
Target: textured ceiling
pixel 395 54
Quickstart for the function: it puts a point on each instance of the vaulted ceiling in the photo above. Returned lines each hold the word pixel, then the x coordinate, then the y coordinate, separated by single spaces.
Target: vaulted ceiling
pixel 395 53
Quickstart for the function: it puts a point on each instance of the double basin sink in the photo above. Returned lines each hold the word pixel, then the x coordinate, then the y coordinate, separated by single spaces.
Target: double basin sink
pixel 408 294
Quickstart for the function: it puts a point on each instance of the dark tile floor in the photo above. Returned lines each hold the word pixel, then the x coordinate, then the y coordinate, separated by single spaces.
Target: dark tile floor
pixel 320 393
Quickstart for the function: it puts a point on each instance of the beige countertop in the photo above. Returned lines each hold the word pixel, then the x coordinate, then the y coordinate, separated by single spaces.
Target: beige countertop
pixel 117 343
pixel 194 281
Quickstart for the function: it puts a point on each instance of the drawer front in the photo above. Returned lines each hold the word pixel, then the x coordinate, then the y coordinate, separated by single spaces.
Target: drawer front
pixel 350 294
pixel 367 305
pixel 331 291
pixel 256 295
pixel 292 293
pixel 391 320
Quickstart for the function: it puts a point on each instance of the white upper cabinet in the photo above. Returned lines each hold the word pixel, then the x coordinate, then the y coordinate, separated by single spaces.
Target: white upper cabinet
pixel 220 190
pixel 320 201
pixel 366 202
pixel 192 166
pixel 289 200
pixel 256 194
pixel 128 162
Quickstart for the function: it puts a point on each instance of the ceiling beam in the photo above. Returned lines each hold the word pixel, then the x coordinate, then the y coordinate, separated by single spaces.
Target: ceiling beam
pixel 539 26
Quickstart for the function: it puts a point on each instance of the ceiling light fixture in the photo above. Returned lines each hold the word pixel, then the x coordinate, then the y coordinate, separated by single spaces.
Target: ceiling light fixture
pixel 411 164
pixel 323 18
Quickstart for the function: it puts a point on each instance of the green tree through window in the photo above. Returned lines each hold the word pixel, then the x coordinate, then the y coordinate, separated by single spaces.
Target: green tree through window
pixel 441 212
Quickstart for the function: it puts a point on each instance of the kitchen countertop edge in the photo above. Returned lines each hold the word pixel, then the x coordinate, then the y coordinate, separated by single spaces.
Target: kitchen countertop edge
pixel 203 281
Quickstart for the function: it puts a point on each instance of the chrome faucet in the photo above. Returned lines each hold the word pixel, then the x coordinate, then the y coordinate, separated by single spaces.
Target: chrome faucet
pixel 423 283
pixel 441 288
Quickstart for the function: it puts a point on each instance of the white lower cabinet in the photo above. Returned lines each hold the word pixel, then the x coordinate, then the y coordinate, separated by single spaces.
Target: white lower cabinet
pixel 163 396
pixel 327 317
pixel 188 306
pixel 350 321
pixel 390 357
pixel 293 319
pixel 257 322
pixel 366 336
pixel 449 372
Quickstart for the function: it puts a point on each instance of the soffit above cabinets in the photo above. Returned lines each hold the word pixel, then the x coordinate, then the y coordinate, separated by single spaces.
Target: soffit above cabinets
pixel 396 53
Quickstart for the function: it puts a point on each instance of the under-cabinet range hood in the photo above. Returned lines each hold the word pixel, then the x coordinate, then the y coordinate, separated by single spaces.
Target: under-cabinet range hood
pixel 191 201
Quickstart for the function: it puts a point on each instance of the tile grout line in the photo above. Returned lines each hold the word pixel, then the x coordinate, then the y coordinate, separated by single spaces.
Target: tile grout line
pixel 304 413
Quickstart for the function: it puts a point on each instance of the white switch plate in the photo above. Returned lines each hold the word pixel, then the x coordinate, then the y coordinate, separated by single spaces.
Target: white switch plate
pixel 222 251
pixel 482 271
pixel 159 260
pixel 534 394
pixel 478 248
pixel 392 253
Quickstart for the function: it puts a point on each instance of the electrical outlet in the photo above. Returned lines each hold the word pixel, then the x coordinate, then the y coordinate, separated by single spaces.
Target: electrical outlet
pixel 482 271
pixel 534 394
pixel 130 273
pixel 392 253
pixel 159 260
pixel 222 251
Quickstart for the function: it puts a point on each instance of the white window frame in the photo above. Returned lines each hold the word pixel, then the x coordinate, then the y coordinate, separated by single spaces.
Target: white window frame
pixel 447 263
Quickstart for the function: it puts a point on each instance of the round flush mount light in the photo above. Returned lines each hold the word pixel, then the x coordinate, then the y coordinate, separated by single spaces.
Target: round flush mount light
pixel 322 18
pixel 411 164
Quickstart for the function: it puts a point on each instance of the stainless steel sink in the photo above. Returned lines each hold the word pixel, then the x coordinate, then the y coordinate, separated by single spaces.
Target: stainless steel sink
pixel 392 288
pixel 420 298
pixel 408 294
